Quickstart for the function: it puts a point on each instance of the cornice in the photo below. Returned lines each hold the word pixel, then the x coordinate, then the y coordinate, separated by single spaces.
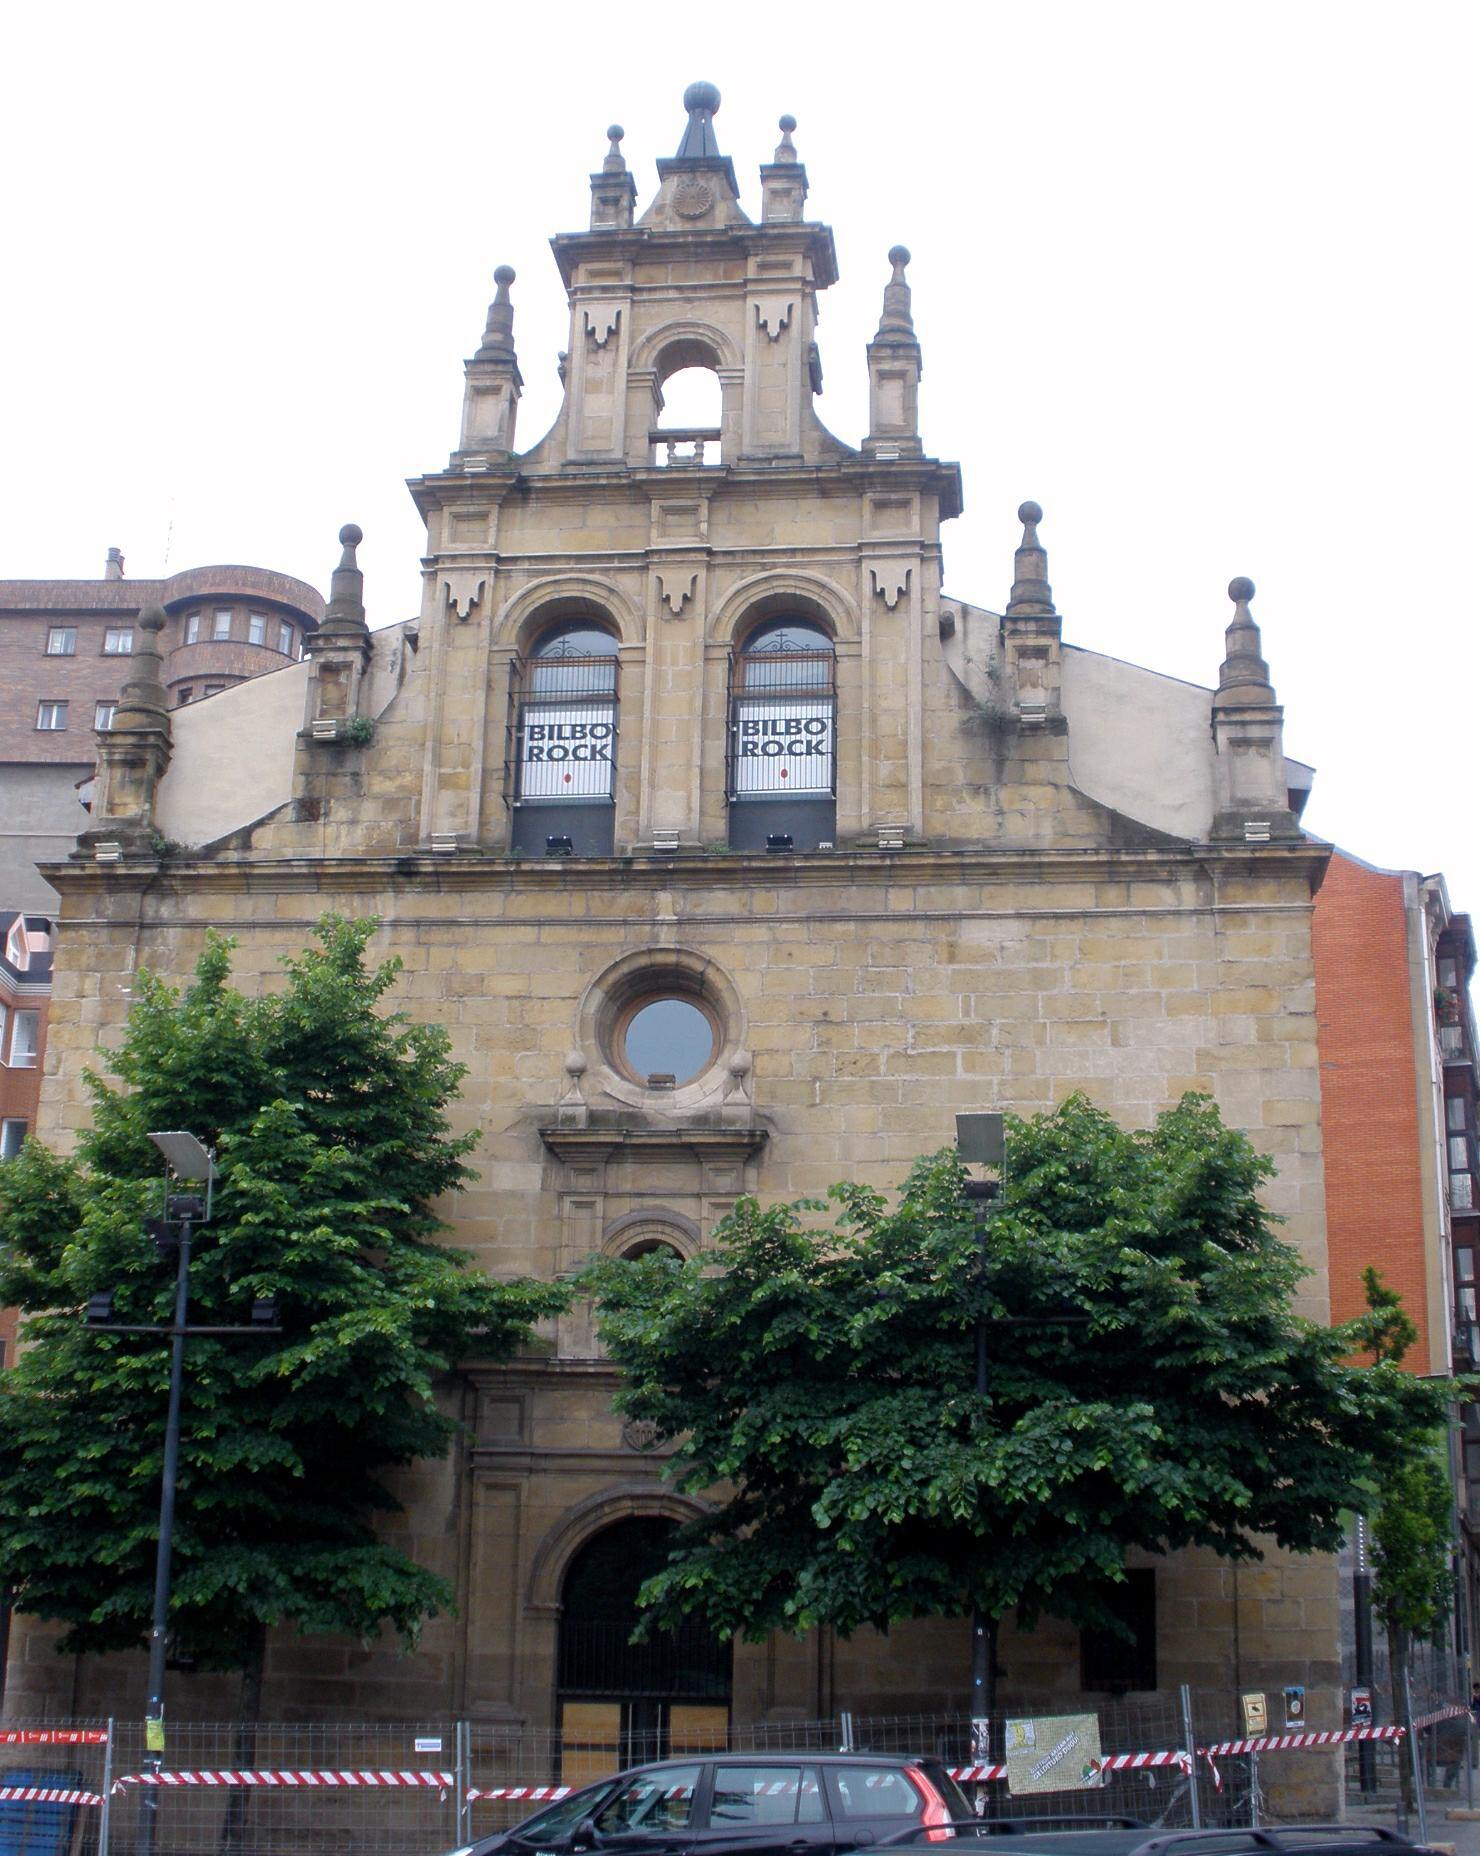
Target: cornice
pixel 598 1145
pixel 852 475
pixel 421 872
pixel 629 244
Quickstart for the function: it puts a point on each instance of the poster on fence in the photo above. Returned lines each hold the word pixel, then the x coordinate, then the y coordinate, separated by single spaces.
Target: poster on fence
pixel 1295 1708
pixel 1256 1715
pixel 1053 1753
pixel 1361 1707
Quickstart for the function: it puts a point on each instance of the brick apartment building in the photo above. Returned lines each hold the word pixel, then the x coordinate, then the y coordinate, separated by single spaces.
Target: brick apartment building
pixel 1400 1096
pixel 66 650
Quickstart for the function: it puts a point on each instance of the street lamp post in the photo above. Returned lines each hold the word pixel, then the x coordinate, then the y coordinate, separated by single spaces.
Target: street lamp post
pixel 981 1141
pixel 188 1160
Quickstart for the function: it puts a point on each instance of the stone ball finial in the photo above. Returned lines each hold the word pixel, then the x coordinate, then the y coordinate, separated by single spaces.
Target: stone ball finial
pixel 1029 512
pixel 504 276
pixel 575 1063
pixel 153 619
pixel 786 124
pixel 351 535
pixel 1240 589
pixel 899 256
pixel 701 96
pixel 614 132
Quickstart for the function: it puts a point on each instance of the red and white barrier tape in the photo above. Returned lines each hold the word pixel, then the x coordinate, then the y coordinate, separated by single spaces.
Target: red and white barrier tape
pixel 294 1781
pixel 976 1775
pixel 53 1736
pixel 1452 1712
pixel 1280 1743
pixel 1139 1762
pixel 45 1794
pixel 535 1793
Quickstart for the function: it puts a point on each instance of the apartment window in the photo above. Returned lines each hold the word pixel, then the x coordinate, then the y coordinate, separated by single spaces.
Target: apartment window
pixel 192 628
pixel 103 713
pixel 1462 1192
pixel 1454 1108
pixel 285 638
pixel 1451 1037
pixel 12 1132
pixel 118 641
pixel 51 715
pixel 184 694
pixel 1449 974
pixel 213 689
pixel 1113 1663
pixel 4 1021
pixel 1459 1152
pixel 221 623
pixel 61 641
pixel 256 628
pixel 24 1029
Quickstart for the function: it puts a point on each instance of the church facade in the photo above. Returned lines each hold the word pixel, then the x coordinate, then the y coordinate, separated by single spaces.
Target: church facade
pixel 737 856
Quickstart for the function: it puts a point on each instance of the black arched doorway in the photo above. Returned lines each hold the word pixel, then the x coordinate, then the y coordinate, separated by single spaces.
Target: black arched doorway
pixel 620 1702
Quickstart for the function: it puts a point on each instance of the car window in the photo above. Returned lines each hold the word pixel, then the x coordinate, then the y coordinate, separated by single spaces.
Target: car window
pixel 659 1800
pixel 875 1791
pixel 562 1818
pixel 766 1795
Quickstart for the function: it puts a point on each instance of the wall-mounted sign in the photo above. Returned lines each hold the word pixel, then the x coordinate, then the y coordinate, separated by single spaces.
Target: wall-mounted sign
pixel 783 747
pixel 1053 1753
pixel 1256 1715
pixel 1295 1706
pixel 567 753
pixel 428 1743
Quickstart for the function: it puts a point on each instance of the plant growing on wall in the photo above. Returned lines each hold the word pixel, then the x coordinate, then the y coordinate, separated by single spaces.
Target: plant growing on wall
pixel 817 1364
pixel 328 1116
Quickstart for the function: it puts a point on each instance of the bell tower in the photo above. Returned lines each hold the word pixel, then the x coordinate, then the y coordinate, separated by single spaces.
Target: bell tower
pixel 677 544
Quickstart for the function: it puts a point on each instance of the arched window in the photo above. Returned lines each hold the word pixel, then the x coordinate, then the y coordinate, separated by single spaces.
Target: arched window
pixel 563 742
pixel 783 728
pixel 623 1703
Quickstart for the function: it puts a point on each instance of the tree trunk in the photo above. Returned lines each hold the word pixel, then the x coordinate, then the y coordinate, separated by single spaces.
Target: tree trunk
pixel 249 1711
pixel 1398 1640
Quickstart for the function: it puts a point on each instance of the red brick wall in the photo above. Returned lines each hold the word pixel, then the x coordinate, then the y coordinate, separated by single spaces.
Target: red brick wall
pixel 1369 1105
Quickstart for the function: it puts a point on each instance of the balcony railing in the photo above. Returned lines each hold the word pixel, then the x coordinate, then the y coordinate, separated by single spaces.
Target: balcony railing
pixel 684 446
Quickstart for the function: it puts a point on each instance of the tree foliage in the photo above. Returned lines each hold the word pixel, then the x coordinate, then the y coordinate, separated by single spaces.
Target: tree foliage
pixel 328 1117
pixel 817 1366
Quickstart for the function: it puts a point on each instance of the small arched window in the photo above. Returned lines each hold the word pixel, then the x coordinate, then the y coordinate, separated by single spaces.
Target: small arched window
pixel 563 742
pixel 783 728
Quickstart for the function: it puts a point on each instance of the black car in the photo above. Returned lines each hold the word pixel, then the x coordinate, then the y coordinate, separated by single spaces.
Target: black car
pixel 743 1804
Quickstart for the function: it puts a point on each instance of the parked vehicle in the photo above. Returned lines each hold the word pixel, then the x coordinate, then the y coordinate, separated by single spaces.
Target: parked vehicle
pixel 744 1804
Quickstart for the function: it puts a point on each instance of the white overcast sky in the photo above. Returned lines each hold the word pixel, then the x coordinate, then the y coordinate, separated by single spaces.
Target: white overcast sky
pixel 1198 277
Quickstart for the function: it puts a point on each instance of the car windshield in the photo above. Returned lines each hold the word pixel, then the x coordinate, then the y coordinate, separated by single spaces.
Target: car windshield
pixel 562 1818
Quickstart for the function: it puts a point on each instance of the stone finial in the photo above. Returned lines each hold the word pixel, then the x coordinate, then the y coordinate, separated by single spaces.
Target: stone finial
pixel 613 161
pixel 134 751
pixel 344 616
pixel 699 144
pixel 498 331
pixel 1032 596
pixel 1243 678
pixel 897 319
pixel 143 701
pixel 786 148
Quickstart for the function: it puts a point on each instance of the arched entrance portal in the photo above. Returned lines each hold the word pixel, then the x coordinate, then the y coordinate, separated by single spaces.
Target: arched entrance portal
pixel 622 1702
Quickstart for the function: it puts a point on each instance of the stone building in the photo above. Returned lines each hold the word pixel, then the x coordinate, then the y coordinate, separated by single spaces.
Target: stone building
pixel 737 856
pixel 65 650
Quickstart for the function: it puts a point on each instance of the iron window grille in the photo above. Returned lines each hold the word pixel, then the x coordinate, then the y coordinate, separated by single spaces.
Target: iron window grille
pixel 562 730
pixel 783 719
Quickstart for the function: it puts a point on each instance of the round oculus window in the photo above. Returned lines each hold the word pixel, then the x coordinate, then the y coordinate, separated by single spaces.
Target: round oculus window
pixel 666 1041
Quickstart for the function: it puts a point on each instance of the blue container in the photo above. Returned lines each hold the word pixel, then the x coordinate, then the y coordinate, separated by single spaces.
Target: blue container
pixel 31 1829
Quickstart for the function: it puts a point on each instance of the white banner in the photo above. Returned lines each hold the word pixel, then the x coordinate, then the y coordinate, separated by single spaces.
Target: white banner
pixel 783 747
pixel 566 753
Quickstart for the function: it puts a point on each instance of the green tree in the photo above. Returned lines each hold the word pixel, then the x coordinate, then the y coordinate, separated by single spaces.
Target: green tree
pixel 818 1370
pixel 1412 1520
pixel 328 1117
